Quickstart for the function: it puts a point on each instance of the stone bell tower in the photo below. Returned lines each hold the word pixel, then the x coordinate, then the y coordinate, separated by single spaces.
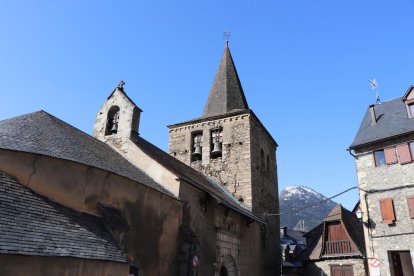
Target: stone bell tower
pixel 117 120
pixel 230 144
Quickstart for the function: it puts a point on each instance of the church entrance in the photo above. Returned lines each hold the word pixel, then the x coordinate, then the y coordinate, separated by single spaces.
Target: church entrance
pixel 228 268
pixel 223 271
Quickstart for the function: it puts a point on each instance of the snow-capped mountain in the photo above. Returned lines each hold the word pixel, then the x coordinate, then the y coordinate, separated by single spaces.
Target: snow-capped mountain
pixel 294 199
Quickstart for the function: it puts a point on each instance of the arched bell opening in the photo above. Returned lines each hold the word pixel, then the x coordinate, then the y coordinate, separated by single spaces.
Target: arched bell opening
pixel 112 120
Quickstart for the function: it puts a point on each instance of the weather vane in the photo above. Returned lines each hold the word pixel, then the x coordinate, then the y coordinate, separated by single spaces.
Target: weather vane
pixel 226 37
pixel 374 86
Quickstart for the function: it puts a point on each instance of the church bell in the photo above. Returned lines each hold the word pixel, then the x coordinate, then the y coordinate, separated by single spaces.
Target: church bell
pixel 216 148
pixel 197 152
pixel 114 128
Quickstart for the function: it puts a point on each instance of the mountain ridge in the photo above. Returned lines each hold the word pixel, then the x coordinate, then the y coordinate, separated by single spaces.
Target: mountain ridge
pixel 303 208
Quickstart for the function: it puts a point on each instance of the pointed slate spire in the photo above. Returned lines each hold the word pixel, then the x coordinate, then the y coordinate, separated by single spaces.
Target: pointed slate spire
pixel 227 94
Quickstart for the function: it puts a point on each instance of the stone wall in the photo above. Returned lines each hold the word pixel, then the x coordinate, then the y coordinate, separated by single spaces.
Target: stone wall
pixel 241 169
pixel 153 217
pixel 223 232
pixel 128 121
pixel 381 237
pixel 323 268
pixel 233 169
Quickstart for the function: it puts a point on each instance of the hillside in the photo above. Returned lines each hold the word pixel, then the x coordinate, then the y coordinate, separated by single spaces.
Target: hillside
pixel 296 197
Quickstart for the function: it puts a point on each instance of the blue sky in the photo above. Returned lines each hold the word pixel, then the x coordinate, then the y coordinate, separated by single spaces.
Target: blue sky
pixel 303 66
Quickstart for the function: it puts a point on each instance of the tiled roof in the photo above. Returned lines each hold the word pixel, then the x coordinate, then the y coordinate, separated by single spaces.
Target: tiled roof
pixel 31 224
pixel 42 133
pixel 316 237
pixel 226 93
pixel 392 121
pixel 193 177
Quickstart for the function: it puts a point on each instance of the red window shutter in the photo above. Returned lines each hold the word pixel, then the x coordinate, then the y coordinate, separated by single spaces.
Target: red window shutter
pixel 390 155
pixel 404 153
pixel 410 202
pixel 387 210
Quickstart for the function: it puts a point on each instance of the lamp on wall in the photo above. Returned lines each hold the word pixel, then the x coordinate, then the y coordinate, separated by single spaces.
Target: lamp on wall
pixel 359 214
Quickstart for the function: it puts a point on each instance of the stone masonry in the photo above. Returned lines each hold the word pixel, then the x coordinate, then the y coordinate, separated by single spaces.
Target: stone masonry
pixel 382 238
pixel 240 168
pixel 323 268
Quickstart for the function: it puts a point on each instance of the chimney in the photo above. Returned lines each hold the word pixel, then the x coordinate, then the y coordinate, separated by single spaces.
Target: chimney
pixel 373 115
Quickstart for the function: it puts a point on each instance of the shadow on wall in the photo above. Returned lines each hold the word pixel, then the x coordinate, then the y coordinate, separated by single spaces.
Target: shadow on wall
pixel 311 269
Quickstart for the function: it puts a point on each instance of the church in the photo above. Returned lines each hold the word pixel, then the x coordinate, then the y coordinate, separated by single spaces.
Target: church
pixel 115 204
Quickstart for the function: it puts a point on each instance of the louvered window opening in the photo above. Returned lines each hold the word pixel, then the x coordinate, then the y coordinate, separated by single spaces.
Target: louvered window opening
pixel 387 210
pixel 336 240
pixel 410 202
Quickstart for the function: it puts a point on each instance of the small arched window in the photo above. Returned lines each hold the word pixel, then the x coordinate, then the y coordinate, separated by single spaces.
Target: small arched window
pixel 112 120
pixel 267 165
pixel 262 160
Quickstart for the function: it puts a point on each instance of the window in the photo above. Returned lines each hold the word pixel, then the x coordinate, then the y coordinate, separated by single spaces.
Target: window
pixel 196 147
pixel 379 157
pixel 411 109
pixel 387 210
pixel 267 165
pixel 262 160
pixel 404 153
pixel 410 202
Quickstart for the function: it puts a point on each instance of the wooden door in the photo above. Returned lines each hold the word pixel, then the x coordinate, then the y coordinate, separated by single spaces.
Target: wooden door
pixel 342 270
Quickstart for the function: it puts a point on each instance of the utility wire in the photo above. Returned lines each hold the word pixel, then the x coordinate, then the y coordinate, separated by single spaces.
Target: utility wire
pixel 312 205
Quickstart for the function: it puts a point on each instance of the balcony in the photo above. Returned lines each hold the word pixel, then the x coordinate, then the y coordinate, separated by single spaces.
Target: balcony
pixel 338 248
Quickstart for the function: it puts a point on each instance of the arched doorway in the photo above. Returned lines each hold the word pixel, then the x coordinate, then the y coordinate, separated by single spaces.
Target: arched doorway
pixel 228 267
pixel 223 271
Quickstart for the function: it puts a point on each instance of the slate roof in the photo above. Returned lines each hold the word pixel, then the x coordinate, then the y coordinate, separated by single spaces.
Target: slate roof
pixel 31 224
pixel 226 93
pixel 42 133
pixel 193 177
pixel 392 121
pixel 316 237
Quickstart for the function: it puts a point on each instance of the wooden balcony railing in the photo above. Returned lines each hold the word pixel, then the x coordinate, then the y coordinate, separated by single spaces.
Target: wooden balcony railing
pixel 338 247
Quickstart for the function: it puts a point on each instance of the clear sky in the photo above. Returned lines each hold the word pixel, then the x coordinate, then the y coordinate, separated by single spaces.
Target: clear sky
pixel 304 67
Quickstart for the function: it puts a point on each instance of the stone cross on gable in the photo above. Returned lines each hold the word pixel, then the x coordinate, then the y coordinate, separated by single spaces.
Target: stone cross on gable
pixel 121 84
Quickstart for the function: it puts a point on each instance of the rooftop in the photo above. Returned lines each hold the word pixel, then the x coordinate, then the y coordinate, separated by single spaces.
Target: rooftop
pixel 41 133
pixel 33 225
pixel 392 121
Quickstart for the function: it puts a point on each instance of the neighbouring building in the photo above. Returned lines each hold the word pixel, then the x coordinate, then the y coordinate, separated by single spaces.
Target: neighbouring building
pixel 336 246
pixel 384 152
pixel 292 244
pixel 200 210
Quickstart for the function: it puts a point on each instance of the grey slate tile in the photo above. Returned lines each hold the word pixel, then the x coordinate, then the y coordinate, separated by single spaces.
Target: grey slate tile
pixel 33 225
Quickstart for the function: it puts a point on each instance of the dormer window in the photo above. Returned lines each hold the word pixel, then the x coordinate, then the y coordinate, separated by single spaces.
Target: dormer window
pixel 112 121
pixel 216 143
pixel 408 99
pixel 411 110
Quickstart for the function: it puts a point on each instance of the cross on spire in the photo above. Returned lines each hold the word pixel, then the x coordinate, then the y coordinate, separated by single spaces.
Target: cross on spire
pixel 226 36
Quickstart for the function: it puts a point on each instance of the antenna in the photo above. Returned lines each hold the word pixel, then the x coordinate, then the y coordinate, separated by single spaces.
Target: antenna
pixel 374 86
